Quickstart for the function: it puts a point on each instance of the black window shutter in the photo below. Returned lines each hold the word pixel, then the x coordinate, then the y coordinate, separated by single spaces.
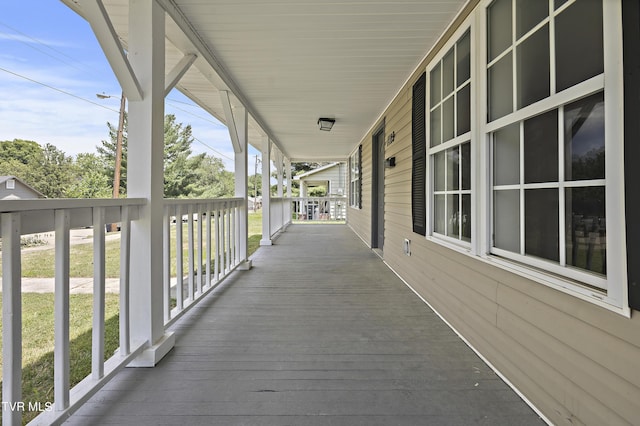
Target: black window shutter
pixel 419 160
pixel 631 57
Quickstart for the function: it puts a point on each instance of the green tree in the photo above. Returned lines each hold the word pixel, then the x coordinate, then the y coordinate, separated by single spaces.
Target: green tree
pixel 212 180
pixel 255 185
pixel 107 156
pixel 179 167
pixel 185 175
pixel 90 179
pixel 47 169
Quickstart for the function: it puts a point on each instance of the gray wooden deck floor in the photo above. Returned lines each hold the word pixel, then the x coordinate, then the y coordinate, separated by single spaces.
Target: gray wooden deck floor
pixel 319 332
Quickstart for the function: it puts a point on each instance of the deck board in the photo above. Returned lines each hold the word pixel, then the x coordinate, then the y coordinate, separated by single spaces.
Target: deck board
pixel 318 332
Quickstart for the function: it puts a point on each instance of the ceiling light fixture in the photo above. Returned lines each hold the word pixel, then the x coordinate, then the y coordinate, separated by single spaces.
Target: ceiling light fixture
pixel 326 123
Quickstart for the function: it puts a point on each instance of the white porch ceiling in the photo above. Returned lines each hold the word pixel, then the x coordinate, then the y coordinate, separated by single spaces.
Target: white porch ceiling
pixel 293 61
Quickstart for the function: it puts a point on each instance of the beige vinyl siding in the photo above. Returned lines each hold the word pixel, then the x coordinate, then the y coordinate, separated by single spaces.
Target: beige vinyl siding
pixel 578 363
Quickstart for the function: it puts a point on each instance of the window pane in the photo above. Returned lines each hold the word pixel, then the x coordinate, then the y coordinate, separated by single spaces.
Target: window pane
pixel 529 14
pixel 506 155
pixel 435 86
pixel 584 138
pixel 500 77
pixel 541 226
pixel 447 119
pixel 439 216
pixel 453 215
pixel 448 63
pixel 559 3
pixel 466 217
pixel 579 51
pixel 586 238
pixel 463 54
pixel 464 110
pixel 541 148
pixel 499 27
pixel 453 171
pixel 439 171
pixel 533 68
pixel 435 130
pixel 466 166
pixel 506 220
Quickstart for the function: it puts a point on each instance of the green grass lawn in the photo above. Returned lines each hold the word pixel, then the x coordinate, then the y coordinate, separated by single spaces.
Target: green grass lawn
pixel 37 343
pixel 37 314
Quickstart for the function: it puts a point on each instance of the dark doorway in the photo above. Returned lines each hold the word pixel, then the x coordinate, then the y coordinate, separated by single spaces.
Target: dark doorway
pixel 377 205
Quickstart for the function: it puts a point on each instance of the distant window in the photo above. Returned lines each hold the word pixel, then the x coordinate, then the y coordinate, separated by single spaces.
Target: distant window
pixel 355 173
pixel 11 184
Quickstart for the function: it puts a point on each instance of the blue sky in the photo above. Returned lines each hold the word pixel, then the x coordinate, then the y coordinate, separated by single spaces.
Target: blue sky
pixel 47 49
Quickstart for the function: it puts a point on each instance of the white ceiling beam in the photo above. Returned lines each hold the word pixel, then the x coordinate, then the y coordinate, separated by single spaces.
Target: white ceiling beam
pixel 231 122
pixel 178 17
pixel 178 71
pixel 97 16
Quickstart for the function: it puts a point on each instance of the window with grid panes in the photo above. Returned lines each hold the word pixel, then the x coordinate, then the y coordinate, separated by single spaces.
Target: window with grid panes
pixel 546 118
pixel 450 142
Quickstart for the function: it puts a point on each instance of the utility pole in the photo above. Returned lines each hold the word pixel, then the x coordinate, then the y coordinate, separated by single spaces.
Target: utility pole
pixel 118 165
pixel 116 172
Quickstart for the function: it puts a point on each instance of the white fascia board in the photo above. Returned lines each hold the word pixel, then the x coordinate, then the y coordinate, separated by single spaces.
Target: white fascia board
pixel 97 16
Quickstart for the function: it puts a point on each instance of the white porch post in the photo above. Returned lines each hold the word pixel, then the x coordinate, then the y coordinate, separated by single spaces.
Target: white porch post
pixel 280 174
pixel 145 180
pixel 266 192
pixel 241 166
pixel 287 165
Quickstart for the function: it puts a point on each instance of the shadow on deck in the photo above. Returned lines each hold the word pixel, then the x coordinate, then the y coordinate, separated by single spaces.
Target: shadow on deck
pixel 319 332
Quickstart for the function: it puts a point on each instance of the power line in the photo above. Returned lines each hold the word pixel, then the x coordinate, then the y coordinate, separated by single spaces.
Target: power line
pixel 35 40
pixel 57 90
pixel 114 110
pixel 216 151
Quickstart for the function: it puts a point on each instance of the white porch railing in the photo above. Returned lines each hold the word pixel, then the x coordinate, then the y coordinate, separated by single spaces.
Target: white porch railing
pixel 38 216
pixel 211 246
pixel 212 241
pixel 319 208
pixel 280 208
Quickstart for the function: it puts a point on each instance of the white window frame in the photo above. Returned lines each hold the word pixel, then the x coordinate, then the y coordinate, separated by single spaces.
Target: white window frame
pixel 10 184
pixel 354 179
pixel 614 293
pixel 458 244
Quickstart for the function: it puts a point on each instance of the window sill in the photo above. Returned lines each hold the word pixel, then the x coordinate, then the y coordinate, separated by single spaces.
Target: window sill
pixel 547 278
pixel 560 283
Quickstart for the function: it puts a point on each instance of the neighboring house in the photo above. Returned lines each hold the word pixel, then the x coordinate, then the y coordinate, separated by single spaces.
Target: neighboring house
pixel 254 203
pixel 13 188
pixel 332 176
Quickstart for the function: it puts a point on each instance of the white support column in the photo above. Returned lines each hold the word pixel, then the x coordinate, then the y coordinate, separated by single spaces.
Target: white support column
pixel 279 173
pixel 241 174
pixel 11 319
pixel 145 150
pixel 266 192
pixel 287 165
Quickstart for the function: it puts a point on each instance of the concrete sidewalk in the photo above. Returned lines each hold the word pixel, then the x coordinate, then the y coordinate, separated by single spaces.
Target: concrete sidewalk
pixel 77 285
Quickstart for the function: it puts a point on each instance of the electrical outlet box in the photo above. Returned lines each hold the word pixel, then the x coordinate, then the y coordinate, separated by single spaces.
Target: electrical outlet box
pixel 406 247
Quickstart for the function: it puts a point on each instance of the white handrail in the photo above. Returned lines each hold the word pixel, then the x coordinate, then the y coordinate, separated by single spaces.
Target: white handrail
pixel 21 217
pixel 215 238
pixel 211 249
pixel 319 208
